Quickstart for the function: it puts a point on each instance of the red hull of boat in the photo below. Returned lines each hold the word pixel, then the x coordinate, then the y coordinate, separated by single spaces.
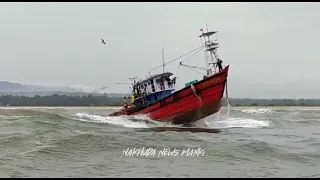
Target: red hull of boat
pixel 185 106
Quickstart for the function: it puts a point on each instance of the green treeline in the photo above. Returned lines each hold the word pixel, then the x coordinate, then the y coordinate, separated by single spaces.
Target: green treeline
pixel 272 102
pixel 60 100
pixel 106 100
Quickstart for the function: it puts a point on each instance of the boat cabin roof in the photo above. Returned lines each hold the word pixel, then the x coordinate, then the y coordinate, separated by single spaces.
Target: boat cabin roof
pixel 167 74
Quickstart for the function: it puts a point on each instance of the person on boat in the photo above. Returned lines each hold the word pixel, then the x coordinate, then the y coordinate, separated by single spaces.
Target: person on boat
pixel 219 64
pixel 173 81
pixel 169 82
pixel 145 90
pixel 162 83
pixel 125 102
pixel 138 93
pixel 132 99
pixel 128 101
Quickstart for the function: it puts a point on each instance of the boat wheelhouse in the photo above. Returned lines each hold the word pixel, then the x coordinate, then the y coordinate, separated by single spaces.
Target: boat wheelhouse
pixel 153 88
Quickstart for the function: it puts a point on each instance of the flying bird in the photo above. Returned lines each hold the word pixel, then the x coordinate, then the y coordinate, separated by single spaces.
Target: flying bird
pixel 103 41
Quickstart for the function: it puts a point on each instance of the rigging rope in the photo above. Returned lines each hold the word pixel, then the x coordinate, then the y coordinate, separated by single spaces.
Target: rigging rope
pixel 192 66
pixel 227 97
pixel 175 59
pixel 198 72
pixel 180 64
pixel 192 55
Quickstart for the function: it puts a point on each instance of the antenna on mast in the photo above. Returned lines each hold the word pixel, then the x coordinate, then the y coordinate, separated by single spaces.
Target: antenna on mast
pixel 207 27
pixel 163 60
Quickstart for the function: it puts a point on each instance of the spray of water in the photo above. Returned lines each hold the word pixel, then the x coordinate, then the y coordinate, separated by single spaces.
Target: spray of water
pixel 141 121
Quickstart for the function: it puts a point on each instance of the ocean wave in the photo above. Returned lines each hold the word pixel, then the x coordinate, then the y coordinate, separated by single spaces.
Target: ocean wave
pixel 125 121
pixel 254 110
pixel 230 122
pixel 25 113
pixel 48 143
pixel 274 151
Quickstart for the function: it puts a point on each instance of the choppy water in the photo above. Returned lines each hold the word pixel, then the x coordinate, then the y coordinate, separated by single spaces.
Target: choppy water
pixel 85 142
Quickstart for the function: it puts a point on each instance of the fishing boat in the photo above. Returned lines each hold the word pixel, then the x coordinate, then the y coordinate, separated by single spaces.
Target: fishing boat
pixel 157 97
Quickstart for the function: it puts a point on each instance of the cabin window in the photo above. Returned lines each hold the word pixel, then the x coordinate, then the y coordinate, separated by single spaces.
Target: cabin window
pixel 149 83
pixel 153 88
pixel 157 80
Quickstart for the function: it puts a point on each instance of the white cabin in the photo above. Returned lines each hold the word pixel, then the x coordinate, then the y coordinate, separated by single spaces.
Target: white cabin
pixel 153 84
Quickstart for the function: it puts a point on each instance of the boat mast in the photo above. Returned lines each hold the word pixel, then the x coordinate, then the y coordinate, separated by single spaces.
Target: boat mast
pixel 209 40
pixel 210 47
pixel 205 54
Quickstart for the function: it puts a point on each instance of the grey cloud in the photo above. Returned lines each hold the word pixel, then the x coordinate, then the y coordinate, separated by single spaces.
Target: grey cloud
pixel 269 46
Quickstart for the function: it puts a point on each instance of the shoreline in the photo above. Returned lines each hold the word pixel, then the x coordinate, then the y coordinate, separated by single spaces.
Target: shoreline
pixel 119 107
pixel 58 107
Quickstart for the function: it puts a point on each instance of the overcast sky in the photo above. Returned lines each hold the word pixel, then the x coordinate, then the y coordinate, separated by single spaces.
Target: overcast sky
pixel 272 48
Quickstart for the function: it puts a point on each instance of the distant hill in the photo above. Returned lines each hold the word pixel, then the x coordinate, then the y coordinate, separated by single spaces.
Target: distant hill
pixel 11 87
pixel 18 89
pixel 49 93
